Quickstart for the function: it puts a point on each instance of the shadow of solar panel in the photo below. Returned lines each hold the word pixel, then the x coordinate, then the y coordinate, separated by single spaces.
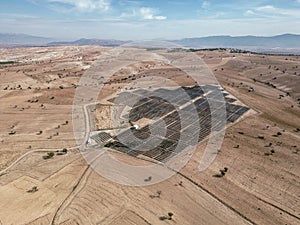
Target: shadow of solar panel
pixel 180 147
pixel 191 130
pixel 184 125
pixel 133 144
pixel 158 110
pixel 204 118
pixel 159 123
pixel 151 143
pixel 193 119
pixel 174 114
pixel 165 144
pixel 141 134
pixel 243 110
pixel 169 119
pixel 118 146
pixel 176 126
pixel 104 136
pixel 165 156
pixel 182 101
pixel 203 134
pixel 174 137
pixel 201 103
pixel 216 104
pixel 154 152
pixel 188 108
pixel 232 117
pixel 194 92
pixel 156 113
pixel 219 126
pixel 231 108
pixel 230 100
pixel 135 117
pixel 135 153
pixel 172 147
pixel 170 133
pixel 185 113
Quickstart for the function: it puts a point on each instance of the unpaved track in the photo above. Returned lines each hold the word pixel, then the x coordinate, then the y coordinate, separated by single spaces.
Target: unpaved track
pixel 30 152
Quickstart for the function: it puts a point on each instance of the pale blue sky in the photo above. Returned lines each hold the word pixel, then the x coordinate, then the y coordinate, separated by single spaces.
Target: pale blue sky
pixel 136 19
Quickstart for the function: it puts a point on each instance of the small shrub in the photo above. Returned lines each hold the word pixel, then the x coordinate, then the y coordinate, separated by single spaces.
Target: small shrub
pixel 148 179
pixel 33 189
pixel 12 132
pixel 50 154
pixel 163 218
pixel 272 151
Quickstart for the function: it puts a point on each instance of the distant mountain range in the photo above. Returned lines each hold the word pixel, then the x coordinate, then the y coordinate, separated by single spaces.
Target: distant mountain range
pixel 285 41
pixel 12 40
pixel 97 42
pixel 280 41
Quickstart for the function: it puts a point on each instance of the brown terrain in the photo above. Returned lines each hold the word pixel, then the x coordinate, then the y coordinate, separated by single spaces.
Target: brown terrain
pixel 261 150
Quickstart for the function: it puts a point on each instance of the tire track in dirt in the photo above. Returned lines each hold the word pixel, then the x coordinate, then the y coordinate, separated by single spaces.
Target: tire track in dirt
pixel 80 184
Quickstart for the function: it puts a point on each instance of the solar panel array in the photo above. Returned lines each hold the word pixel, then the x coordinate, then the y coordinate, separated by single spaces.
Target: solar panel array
pixel 153 105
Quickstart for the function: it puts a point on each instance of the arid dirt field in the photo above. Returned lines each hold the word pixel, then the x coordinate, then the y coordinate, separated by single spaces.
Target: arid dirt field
pixel 261 150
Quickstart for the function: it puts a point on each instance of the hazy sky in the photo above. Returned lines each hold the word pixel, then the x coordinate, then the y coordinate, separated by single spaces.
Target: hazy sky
pixel 151 19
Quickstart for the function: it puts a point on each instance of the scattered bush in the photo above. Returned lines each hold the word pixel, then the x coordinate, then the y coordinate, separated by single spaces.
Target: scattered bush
pixel 163 218
pixel 49 155
pixel 169 217
pixel 170 214
pixel 33 189
pixel 272 151
pixel 12 132
pixel 222 173
pixel 148 179
pixel 158 193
